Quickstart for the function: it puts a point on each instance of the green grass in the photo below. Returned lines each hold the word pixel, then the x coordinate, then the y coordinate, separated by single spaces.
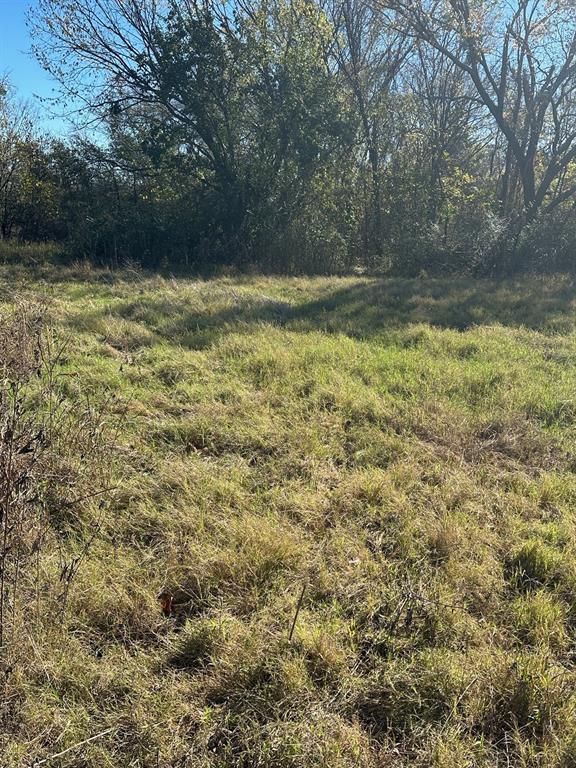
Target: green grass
pixel 405 448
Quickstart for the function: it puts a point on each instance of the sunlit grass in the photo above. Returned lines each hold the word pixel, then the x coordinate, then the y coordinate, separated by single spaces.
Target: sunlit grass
pixel 403 450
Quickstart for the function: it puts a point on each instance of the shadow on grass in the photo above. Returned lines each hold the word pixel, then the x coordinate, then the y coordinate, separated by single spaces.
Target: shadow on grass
pixel 363 309
pixel 367 308
pixel 359 308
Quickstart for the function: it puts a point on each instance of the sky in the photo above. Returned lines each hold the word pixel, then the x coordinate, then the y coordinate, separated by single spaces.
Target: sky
pixel 24 72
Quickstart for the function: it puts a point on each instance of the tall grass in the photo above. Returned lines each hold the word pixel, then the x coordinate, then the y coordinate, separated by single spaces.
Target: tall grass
pixel 355 499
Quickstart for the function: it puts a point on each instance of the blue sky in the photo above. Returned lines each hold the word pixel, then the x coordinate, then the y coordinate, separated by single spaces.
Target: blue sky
pixel 16 60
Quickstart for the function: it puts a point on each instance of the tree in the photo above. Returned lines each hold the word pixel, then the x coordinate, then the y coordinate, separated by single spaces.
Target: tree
pixel 15 131
pixel 521 60
pixel 369 54
pixel 242 94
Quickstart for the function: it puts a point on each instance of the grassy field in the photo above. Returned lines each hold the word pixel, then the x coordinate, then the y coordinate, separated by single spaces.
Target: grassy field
pixel 362 495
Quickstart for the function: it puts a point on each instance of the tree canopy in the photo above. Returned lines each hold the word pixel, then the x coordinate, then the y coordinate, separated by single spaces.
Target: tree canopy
pixel 303 135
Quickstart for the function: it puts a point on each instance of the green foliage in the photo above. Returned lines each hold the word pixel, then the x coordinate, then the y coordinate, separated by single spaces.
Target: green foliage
pixel 279 136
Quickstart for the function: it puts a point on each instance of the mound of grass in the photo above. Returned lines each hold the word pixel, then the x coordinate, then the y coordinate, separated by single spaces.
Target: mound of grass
pixel 359 495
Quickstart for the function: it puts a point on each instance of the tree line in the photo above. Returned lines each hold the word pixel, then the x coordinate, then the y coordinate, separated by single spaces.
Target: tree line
pixel 302 135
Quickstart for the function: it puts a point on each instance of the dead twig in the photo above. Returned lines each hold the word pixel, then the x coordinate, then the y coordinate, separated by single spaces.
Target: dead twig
pixel 48 759
pixel 297 611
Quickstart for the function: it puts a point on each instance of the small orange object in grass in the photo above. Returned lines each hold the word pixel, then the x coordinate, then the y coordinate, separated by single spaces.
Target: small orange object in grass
pixel 174 606
pixel 166 599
